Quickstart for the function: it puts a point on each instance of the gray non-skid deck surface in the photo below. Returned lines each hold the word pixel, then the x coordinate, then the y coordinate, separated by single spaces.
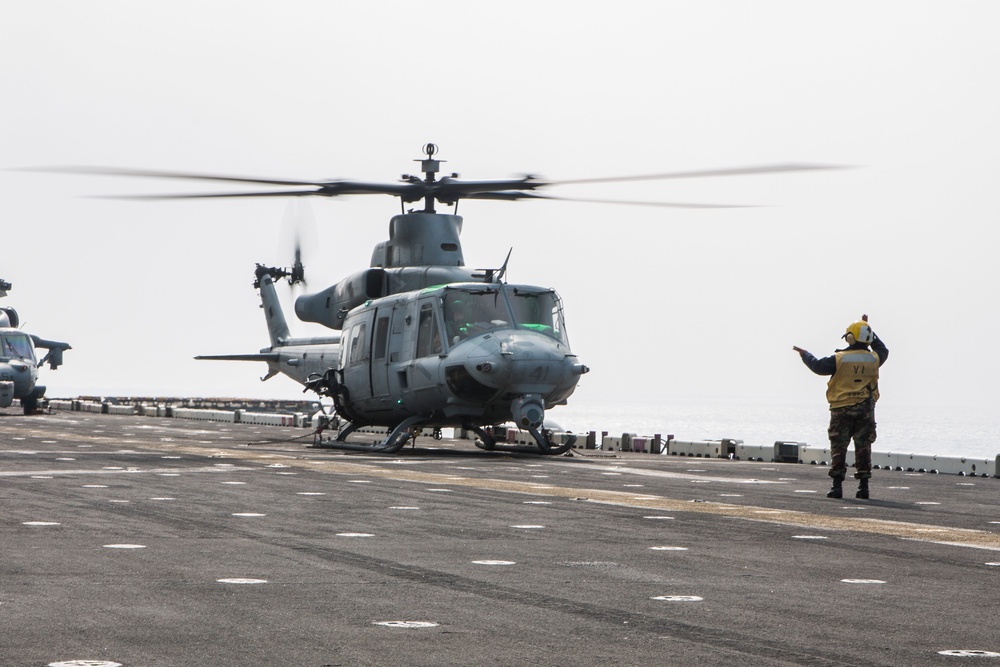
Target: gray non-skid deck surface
pixel 150 542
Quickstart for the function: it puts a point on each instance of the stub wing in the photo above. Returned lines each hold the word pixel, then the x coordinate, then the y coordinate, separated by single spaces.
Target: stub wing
pixel 271 358
pixel 260 356
pixel 56 348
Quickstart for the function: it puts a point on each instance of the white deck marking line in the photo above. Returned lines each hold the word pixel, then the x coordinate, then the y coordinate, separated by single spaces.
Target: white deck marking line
pixel 978 539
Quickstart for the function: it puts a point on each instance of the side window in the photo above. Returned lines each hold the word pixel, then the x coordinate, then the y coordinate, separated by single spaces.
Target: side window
pixel 358 344
pixel 428 338
pixel 345 346
pixel 381 336
pixel 558 321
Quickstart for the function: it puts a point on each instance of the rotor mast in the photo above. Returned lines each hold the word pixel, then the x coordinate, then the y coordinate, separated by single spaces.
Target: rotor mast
pixel 430 167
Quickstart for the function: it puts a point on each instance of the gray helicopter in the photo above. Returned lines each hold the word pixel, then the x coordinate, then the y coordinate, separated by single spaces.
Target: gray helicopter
pixel 465 354
pixel 18 363
pixel 422 340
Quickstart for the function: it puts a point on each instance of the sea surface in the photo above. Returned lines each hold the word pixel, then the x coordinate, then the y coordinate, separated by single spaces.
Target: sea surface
pixel 972 432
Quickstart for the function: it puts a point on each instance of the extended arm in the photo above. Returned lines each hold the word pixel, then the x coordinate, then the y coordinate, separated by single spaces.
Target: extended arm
pixel 824 366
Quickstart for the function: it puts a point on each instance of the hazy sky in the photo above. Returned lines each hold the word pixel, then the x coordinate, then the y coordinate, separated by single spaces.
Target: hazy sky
pixel 661 303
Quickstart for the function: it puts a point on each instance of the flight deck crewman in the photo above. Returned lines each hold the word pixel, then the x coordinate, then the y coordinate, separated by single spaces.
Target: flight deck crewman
pixel 852 392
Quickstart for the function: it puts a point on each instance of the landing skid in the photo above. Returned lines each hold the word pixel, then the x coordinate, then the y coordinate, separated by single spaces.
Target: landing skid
pixel 543 443
pixel 404 431
pixel 393 442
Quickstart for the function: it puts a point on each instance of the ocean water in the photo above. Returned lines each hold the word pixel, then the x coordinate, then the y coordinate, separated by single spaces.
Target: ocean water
pixel 913 429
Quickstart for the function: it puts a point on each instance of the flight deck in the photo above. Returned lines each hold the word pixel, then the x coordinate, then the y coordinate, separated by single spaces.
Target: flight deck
pixel 147 541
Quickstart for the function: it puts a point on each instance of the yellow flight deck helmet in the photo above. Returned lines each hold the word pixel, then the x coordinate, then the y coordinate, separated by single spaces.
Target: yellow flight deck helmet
pixel 859 332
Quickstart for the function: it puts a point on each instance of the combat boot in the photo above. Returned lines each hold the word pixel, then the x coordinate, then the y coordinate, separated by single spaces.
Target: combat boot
pixel 862 489
pixel 837 491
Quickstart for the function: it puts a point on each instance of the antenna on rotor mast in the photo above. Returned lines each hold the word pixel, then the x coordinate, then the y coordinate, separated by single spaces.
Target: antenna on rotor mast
pixel 430 167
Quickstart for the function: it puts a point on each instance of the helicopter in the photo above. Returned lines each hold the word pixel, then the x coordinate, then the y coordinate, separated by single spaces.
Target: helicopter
pixel 465 354
pixel 18 363
pixel 422 340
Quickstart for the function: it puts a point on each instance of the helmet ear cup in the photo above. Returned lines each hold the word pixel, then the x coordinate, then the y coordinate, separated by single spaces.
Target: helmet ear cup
pixel 849 337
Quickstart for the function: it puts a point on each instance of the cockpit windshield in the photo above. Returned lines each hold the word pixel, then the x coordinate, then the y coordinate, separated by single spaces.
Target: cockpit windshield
pixel 539 311
pixel 470 311
pixel 16 346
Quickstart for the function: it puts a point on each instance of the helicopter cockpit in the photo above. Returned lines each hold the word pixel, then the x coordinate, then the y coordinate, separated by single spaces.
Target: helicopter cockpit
pixel 471 310
pixel 16 345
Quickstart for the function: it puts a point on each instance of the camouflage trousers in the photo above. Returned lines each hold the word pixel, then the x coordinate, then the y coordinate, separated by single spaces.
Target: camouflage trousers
pixel 855 422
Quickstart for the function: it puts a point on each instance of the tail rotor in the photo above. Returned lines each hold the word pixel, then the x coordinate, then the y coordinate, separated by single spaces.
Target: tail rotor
pixel 298 229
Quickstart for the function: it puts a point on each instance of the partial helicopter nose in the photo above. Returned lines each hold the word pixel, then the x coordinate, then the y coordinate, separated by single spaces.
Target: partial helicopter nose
pixel 526 363
pixel 529 368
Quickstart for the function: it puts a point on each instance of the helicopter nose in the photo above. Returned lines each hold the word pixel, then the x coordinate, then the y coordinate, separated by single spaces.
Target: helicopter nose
pixel 537 364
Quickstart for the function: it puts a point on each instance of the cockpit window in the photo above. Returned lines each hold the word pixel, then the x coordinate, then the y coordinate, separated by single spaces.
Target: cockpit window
pixel 472 312
pixel 538 311
pixel 16 346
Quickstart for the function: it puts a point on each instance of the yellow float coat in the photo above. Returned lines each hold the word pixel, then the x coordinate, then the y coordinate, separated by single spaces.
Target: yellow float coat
pixel 855 379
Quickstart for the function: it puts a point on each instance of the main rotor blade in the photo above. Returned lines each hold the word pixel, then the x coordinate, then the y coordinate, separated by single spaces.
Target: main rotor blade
pixel 448 190
pixel 513 196
pixel 214 195
pixel 326 188
pixel 148 173
pixel 736 171
pixel 407 191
